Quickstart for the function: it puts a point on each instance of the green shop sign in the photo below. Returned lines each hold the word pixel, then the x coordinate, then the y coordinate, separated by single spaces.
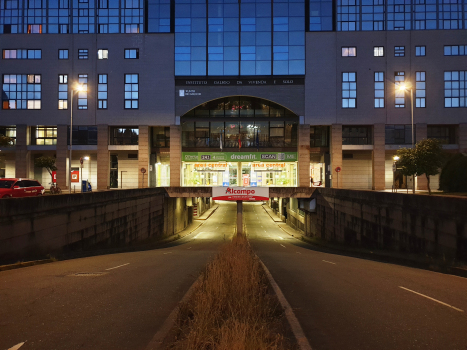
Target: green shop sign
pixel 239 156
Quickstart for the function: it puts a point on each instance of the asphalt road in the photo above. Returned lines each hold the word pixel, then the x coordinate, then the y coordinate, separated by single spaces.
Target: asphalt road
pixel 349 303
pixel 49 307
pixel 341 302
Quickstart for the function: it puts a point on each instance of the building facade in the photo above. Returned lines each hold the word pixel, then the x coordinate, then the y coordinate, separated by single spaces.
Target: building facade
pixel 228 92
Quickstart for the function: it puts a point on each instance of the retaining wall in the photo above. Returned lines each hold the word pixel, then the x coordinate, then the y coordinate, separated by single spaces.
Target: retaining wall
pixel 31 228
pixel 432 225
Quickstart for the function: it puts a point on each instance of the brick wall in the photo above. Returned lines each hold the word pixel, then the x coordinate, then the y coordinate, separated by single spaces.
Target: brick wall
pixel 35 227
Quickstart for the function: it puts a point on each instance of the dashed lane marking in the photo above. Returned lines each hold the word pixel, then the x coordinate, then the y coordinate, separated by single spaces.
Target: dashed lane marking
pixel 17 346
pixel 168 253
pixel 426 296
pixel 116 267
pixel 330 262
pixel 298 252
pixel 283 245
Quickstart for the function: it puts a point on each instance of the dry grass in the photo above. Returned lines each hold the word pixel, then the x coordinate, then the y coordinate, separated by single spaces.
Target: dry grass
pixel 231 308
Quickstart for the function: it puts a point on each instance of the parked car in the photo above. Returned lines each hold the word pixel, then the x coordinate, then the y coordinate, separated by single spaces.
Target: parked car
pixel 20 188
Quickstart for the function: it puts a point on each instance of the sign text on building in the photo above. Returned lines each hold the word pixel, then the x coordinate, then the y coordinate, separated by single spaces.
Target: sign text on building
pixel 240 193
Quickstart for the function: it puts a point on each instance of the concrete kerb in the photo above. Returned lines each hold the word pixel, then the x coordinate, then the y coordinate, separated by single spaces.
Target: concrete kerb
pixel 25 264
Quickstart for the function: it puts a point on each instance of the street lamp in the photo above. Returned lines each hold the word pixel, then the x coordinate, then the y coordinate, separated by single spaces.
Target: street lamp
pixel 394 168
pixel 403 87
pixel 76 88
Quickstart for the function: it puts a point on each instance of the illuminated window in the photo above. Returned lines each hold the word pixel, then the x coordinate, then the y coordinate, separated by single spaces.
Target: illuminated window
pixel 63 91
pixel 349 51
pixel 102 54
pixel 21 91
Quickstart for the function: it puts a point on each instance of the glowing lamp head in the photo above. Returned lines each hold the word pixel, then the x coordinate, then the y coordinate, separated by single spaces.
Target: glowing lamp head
pixel 396 158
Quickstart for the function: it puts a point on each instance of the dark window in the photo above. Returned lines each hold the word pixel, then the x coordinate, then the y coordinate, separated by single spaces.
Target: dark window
pixel 399 134
pixel 83 135
pixel 319 136
pixel 357 135
pixel 124 136
pixel 161 136
pixel 445 134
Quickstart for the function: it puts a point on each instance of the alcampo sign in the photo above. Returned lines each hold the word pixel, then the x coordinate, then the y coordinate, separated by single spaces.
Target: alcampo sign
pixel 240 193
pixel 239 156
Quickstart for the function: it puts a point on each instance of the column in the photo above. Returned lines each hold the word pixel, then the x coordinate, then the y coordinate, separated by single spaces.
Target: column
pixel 103 160
pixel 21 152
pixel 463 138
pixel 336 154
pixel 421 133
pixel 239 217
pixel 143 156
pixel 304 155
pixel 379 153
pixel 175 155
pixel 62 156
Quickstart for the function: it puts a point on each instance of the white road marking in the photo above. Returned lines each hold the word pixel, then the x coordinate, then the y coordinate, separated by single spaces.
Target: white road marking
pixel 17 346
pixel 116 267
pixel 188 248
pixel 425 296
pixel 329 262
pixel 298 252
pixel 283 245
pixel 168 253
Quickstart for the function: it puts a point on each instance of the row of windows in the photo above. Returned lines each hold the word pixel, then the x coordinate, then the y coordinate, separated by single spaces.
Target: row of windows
pixel 259 134
pixel 159 16
pixel 24 91
pixel 455 89
pixel 83 54
pixel 399 51
pixel 394 135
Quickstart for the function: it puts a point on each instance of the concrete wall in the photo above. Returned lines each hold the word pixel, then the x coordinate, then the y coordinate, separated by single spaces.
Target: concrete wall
pixel 429 225
pixel 31 228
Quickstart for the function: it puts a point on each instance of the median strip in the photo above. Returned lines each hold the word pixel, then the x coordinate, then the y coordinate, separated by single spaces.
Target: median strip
pixel 231 307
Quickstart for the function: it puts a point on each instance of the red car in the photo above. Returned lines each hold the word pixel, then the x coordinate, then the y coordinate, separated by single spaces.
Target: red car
pixel 20 188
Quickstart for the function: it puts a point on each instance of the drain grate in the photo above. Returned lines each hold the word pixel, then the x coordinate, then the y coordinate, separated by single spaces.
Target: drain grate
pixel 88 274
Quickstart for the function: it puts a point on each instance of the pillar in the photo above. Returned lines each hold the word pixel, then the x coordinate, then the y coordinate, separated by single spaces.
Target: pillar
pixel 304 155
pixel 239 174
pixel 175 155
pixel 239 217
pixel 463 138
pixel 336 154
pixel 143 156
pixel 103 160
pixel 421 133
pixel 62 156
pixel 379 154
pixel 21 152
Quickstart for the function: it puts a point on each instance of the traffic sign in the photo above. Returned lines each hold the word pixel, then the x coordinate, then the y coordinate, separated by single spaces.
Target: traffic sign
pixel 143 170
pixel 338 169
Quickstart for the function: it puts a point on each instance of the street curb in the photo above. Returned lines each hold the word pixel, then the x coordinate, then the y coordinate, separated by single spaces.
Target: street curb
pixel 25 264
pixel 297 330
pixel 212 212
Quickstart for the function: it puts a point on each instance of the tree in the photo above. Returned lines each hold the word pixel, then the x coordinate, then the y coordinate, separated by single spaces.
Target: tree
pixel 453 175
pixel 426 158
pixel 46 162
pixel 406 162
pixel 5 141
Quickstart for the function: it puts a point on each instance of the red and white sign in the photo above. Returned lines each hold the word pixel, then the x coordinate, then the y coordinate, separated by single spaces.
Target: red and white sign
pixel 338 169
pixel 240 193
pixel 246 179
pixel 54 176
pixel 75 176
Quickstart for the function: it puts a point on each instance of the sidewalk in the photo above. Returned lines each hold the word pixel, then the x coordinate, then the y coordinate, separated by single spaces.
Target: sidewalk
pixel 208 213
pixel 271 213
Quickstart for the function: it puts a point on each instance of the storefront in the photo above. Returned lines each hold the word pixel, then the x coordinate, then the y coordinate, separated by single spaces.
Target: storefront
pixel 255 169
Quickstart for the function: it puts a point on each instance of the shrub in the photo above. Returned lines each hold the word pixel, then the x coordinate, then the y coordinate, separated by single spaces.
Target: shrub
pixel 453 176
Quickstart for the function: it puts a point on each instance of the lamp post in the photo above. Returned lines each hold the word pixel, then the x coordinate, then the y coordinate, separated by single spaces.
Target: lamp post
pixel 78 88
pixel 403 87
pixel 394 168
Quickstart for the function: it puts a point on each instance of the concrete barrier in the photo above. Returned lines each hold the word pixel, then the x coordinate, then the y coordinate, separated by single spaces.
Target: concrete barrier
pixel 31 228
pixel 429 225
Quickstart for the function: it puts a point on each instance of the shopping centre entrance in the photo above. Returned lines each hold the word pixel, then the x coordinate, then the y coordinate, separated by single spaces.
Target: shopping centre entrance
pixel 239 141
